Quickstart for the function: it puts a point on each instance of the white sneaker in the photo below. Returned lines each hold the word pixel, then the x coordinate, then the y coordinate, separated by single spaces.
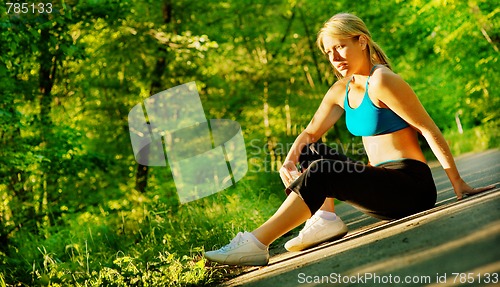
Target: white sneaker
pixel 242 250
pixel 317 230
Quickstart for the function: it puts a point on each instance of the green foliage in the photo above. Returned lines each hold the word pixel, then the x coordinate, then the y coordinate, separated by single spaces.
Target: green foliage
pixel 69 213
pixel 475 139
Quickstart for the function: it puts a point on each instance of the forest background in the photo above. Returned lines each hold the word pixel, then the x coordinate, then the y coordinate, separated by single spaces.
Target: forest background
pixel 75 207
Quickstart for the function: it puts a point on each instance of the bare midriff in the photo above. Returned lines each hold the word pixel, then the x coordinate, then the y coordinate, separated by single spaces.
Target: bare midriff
pixel 402 144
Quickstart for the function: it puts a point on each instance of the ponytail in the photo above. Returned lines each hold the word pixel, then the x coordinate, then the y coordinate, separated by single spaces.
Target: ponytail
pixel 377 55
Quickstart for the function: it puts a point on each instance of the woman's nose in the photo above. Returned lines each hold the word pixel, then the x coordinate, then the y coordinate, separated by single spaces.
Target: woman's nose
pixel 334 56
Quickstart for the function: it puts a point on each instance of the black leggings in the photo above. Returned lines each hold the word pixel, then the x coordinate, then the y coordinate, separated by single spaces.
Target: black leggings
pixel 387 191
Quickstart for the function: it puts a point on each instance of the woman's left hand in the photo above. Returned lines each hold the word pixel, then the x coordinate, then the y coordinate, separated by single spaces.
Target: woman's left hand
pixel 462 188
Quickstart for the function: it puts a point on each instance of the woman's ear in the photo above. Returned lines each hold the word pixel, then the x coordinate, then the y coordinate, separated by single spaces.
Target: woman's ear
pixel 363 41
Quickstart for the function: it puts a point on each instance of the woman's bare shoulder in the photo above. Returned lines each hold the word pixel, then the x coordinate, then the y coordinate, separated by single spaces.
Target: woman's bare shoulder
pixel 336 92
pixel 384 76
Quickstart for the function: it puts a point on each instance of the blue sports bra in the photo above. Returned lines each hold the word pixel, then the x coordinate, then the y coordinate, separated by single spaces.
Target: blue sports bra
pixel 368 119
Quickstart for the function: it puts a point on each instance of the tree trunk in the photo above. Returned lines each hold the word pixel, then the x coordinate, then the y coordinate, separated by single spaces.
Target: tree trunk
pixel 141 176
pixel 311 48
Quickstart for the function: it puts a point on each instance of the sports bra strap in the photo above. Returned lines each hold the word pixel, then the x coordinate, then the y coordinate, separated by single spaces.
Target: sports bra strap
pixel 347 86
pixel 366 86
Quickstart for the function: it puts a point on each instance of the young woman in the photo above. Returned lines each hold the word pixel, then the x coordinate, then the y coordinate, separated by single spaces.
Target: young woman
pixel 382 108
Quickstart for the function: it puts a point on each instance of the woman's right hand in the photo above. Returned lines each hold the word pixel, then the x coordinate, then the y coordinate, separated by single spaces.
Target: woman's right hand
pixel 288 172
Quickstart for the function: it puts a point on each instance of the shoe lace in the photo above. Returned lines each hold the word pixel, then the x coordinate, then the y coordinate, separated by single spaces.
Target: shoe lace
pixel 237 240
pixel 309 222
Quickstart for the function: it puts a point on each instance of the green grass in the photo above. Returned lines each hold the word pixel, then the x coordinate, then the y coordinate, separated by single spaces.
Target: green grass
pixel 142 240
pixel 475 139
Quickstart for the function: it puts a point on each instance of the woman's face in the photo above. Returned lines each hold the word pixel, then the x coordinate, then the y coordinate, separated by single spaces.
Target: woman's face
pixel 346 55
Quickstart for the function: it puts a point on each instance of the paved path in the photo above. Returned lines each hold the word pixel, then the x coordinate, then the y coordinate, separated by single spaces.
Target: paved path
pixel 425 249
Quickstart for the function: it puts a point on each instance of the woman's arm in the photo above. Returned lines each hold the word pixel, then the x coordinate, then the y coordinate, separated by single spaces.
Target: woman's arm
pixel 397 95
pixel 325 117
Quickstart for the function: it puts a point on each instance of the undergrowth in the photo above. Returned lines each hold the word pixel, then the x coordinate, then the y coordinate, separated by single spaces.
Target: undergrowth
pixel 141 240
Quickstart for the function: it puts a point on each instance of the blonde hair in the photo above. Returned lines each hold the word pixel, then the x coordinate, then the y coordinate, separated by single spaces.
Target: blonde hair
pixel 345 25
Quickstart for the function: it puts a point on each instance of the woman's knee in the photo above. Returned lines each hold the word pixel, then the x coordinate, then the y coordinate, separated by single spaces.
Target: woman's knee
pixel 330 167
pixel 316 167
pixel 317 151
